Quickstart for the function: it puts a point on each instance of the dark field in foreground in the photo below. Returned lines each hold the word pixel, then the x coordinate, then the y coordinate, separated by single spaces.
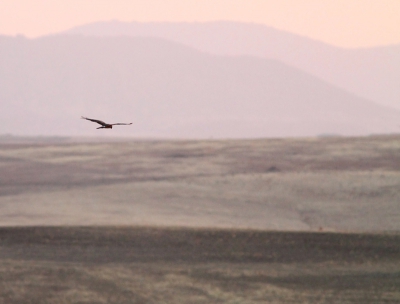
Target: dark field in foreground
pixel 179 265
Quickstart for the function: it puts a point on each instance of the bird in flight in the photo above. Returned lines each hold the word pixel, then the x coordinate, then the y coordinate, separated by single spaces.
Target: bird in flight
pixel 105 125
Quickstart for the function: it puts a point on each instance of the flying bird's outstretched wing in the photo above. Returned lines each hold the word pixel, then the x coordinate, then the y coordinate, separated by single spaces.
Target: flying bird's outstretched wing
pixel 103 124
pixel 95 120
pixel 121 124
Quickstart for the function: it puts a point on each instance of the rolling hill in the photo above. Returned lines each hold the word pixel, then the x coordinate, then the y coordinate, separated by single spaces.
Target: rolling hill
pixel 371 73
pixel 169 90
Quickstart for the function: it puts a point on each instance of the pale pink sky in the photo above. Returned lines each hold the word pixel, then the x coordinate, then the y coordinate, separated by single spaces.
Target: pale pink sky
pixel 346 23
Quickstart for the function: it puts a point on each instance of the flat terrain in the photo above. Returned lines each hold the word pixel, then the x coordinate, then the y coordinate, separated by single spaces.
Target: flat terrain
pixel 165 265
pixel 237 221
pixel 335 184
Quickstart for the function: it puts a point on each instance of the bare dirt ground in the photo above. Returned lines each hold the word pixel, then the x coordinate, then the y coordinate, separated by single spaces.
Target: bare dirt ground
pixel 238 221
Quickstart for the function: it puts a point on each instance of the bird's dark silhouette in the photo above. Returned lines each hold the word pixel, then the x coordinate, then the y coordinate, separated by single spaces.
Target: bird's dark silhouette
pixel 103 124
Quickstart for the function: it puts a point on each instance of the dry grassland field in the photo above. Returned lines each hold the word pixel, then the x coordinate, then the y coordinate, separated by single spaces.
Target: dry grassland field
pixel 313 220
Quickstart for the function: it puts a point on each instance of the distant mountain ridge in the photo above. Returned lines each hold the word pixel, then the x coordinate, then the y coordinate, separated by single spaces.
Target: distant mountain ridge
pixel 371 73
pixel 169 90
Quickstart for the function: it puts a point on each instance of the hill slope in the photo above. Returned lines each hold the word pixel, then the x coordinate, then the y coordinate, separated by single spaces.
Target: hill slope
pixel 371 73
pixel 170 90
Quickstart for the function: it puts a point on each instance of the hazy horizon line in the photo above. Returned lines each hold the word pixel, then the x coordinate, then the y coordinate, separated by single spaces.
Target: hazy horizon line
pixel 65 31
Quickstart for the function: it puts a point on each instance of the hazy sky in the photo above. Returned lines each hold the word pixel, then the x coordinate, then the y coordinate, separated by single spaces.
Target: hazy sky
pixel 347 23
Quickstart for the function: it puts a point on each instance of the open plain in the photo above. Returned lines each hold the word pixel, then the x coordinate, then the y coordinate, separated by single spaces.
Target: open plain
pixel 311 220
